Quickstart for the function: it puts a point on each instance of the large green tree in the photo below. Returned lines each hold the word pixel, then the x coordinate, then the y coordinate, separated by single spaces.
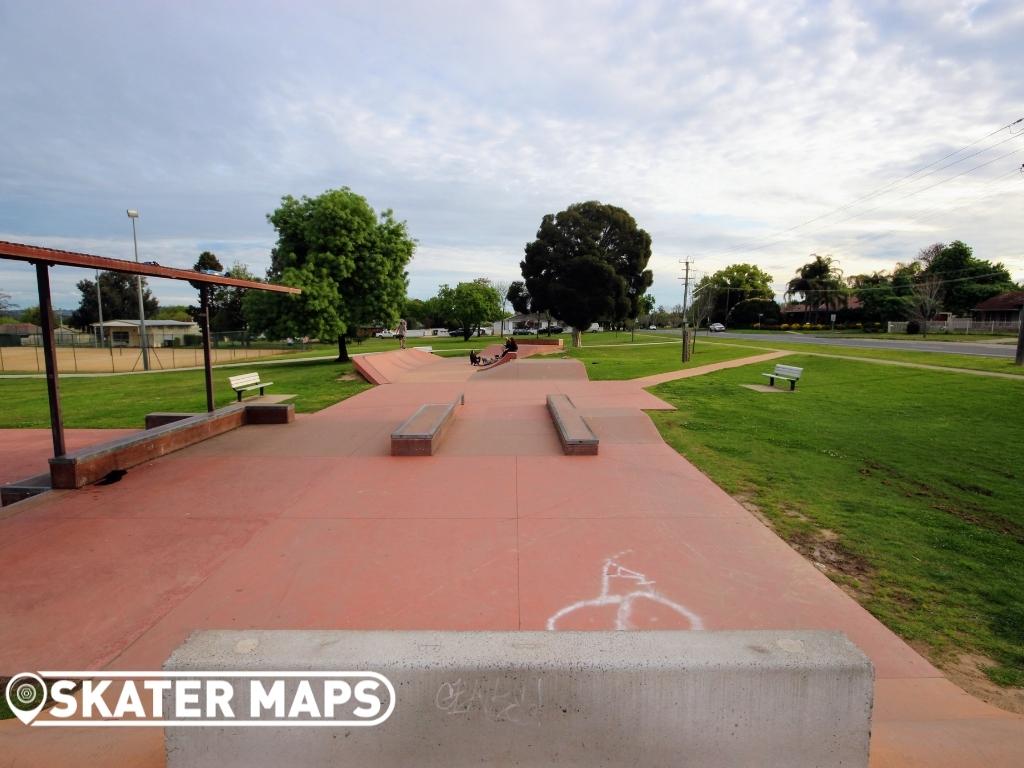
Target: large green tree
pixel 588 263
pixel 349 261
pixel 820 285
pixel 227 304
pixel 734 284
pixel 518 297
pixel 965 279
pixel 471 305
pixel 120 299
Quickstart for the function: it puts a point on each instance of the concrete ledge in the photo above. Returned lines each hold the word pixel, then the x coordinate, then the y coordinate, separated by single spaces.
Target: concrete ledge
pixel 165 433
pixel 710 699
pixel 24 489
pixel 269 413
pixel 421 434
pixel 575 435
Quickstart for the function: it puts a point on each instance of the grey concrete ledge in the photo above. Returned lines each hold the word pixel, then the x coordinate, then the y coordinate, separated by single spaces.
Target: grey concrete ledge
pixel 714 699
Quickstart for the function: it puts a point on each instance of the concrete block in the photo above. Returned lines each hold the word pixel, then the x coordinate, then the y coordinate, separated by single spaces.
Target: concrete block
pixel 269 413
pixel 709 699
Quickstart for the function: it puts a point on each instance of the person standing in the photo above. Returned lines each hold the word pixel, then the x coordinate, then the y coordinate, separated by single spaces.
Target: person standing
pixel 400 332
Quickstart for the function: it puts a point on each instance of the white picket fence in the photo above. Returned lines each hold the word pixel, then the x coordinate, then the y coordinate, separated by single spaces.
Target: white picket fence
pixel 961 325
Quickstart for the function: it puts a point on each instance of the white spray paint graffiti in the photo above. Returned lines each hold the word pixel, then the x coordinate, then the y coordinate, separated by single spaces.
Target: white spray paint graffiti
pixel 623 587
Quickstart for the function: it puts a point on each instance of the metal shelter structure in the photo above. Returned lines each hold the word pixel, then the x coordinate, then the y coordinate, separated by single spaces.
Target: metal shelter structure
pixel 44 258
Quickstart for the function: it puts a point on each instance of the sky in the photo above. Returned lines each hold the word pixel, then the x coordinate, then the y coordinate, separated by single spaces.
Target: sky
pixel 721 126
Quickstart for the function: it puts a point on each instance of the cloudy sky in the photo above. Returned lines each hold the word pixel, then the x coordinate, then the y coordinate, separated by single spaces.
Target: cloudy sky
pixel 720 126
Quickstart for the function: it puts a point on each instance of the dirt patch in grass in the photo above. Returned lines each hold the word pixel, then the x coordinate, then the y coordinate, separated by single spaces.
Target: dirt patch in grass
pixel 823 548
pixel 349 377
pixel 968 672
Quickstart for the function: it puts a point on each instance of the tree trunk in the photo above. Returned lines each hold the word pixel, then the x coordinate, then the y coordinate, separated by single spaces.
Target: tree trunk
pixel 467 333
pixel 342 349
pixel 577 337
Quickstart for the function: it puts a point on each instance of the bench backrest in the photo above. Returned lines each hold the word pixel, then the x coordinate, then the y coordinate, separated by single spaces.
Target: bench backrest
pixel 789 371
pixel 245 380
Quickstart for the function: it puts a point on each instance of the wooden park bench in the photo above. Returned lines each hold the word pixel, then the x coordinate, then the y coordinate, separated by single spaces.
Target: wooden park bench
pixel 246 382
pixel 575 435
pixel 790 373
pixel 421 433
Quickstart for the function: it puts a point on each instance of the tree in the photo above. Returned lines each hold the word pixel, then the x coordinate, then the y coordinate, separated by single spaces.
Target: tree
pixel 227 303
pixel 734 284
pixel 926 300
pixel 646 307
pixel 6 307
pixel 120 299
pixel 883 296
pixel 967 280
pixel 518 296
pixel 177 312
pixel 588 263
pixel 34 316
pixel 820 284
pixel 757 310
pixel 471 304
pixel 349 261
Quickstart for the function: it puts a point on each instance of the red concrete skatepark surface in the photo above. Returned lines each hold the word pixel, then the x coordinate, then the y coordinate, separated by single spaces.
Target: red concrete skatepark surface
pixel 24 452
pixel 314 525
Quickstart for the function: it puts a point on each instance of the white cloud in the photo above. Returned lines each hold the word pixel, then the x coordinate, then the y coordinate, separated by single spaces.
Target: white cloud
pixel 712 123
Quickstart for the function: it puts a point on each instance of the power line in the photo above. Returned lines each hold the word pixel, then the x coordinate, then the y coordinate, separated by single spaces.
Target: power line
pixel 887 187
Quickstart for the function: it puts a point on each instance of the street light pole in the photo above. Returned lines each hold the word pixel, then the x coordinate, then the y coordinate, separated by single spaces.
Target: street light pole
pixel 133 215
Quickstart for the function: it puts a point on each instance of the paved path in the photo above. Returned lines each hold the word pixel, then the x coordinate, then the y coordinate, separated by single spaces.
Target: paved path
pixel 25 452
pixel 980 349
pixel 313 525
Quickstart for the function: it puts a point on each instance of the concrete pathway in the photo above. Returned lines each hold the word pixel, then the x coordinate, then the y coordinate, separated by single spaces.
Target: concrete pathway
pixel 314 525
pixel 25 452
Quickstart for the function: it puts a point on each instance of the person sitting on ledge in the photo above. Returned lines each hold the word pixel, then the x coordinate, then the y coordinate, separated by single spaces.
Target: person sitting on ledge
pixel 510 345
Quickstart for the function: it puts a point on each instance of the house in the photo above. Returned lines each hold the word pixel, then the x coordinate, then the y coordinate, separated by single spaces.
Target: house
pixel 1004 308
pixel 11 334
pixel 524 321
pixel 159 333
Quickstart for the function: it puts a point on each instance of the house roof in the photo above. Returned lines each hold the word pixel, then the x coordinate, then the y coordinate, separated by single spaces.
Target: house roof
pixel 852 302
pixel 19 329
pixel 149 324
pixel 1004 301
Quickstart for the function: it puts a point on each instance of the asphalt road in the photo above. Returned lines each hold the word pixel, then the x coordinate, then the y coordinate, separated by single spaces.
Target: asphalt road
pixel 955 347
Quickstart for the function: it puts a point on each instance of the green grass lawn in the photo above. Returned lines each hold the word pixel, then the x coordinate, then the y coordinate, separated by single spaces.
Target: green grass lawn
pixel 905 484
pixel 123 401
pixel 648 356
pixel 945 359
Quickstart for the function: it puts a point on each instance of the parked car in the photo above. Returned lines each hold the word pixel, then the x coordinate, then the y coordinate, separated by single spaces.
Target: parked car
pixel 652 327
pixel 554 329
pixel 385 334
pixel 526 331
pixel 716 327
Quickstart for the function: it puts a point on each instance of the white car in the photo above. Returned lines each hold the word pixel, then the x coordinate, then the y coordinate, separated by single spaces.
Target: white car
pixel 385 334
pixel 652 327
pixel 716 327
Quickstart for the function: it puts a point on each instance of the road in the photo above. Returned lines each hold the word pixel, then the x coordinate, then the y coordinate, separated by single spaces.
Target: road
pixel 956 347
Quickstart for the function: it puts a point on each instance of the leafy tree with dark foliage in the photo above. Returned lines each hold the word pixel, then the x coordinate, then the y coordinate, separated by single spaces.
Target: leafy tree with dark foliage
pixel 588 263
pixel 518 297
pixel 349 261
pixel 120 299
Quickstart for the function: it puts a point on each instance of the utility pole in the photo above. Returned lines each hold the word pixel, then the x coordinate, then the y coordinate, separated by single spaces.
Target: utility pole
pixel 133 215
pixel 1019 360
pixel 686 298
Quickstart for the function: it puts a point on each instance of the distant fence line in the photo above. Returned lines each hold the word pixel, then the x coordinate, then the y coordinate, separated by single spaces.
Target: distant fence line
pixel 83 353
pixel 960 325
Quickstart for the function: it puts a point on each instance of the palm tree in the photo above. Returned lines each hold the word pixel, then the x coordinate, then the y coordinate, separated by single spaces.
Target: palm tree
pixel 819 281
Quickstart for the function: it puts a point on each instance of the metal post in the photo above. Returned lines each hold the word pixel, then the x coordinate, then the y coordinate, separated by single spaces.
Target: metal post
pixel 50 355
pixel 1019 360
pixel 99 308
pixel 204 303
pixel 133 215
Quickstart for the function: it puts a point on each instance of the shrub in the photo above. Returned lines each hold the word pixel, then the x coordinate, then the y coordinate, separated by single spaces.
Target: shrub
pixel 807 326
pixel 784 327
pixel 913 327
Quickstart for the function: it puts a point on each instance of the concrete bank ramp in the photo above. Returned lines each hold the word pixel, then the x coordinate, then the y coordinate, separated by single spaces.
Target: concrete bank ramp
pixel 791 699
pixel 389 367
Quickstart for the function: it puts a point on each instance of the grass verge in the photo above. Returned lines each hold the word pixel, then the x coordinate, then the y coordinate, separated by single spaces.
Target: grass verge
pixel 903 485
pixel 123 401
